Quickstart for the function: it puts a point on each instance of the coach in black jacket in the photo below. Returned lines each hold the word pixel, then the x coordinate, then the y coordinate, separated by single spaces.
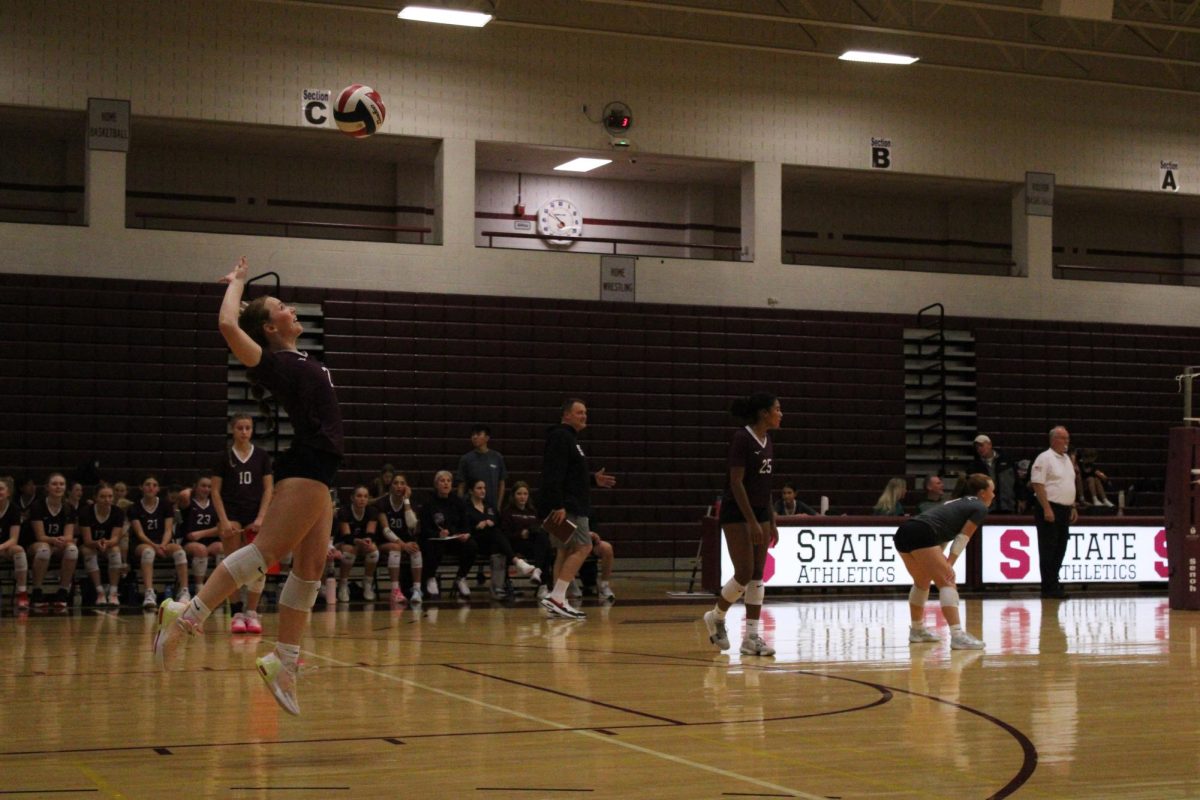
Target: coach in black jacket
pixel 564 491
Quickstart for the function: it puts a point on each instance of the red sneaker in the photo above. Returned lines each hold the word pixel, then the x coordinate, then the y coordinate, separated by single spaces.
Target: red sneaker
pixel 239 623
pixel 22 601
pixel 253 623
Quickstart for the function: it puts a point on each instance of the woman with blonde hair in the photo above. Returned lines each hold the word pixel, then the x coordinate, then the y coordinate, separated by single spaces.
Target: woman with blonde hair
pixel 891 502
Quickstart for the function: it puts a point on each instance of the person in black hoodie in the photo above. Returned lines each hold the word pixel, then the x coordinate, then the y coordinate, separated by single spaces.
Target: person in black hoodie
pixel 443 526
pixel 565 485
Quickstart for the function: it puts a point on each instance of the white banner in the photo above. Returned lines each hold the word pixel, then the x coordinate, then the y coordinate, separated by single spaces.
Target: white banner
pixel 827 555
pixel 1095 554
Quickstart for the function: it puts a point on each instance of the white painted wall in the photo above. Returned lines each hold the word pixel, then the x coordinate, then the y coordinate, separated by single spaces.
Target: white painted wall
pixel 245 61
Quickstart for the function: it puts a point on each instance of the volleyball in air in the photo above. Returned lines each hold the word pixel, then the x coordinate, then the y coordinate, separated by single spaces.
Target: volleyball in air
pixel 358 111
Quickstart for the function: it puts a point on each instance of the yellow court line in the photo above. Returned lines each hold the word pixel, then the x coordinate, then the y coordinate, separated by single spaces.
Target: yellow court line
pixel 590 734
pixel 101 784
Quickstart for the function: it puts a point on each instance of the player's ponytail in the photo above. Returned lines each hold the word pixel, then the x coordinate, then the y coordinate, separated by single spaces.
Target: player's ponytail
pixel 747 409
pixel 251 320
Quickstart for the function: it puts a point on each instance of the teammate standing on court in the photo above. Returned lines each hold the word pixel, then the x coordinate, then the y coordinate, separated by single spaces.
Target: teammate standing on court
pixel 263 337
pixel 565 486
pixel 241 491
pixel 920 541
pixel 748 520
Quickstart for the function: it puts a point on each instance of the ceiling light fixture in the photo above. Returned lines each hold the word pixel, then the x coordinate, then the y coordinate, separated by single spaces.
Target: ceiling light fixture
pixel 583 164
pixel 445 16
pixel 877 58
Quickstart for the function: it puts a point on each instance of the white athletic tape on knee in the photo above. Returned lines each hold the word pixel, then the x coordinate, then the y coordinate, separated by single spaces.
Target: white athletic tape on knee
pixel 755 593
pixel 114 559
pixel 20 562
pixel 732 591
pixel 246 564
pixel 70 553
pixel 394 559
pixel 199 566
pixel 179 557
pixel 148 555
pixel 257 585
pixel 918 597
pixel 948 596
pixel 91 563
pixel 298 593
pixel 350 559
pixel 416 561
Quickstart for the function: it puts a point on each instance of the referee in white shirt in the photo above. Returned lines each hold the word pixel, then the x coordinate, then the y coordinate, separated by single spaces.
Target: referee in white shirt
pixel 1053 481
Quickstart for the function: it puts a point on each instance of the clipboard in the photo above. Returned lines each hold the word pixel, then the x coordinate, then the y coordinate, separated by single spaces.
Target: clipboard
pixel 562 531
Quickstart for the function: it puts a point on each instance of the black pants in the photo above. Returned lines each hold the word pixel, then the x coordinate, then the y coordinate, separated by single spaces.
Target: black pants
pixel 492 542
pixel 1052 538
pixel 432 551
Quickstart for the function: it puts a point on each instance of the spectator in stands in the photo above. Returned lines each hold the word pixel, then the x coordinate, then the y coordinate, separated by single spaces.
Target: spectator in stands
pixel 75 495
pixel 10 542
pixel 521 524
pixel 399 524
pixel 1092 478
pixel 200 533
pixel 789 505
pixel 27 489
pixel 935 490
pixel 443 528
pixel 152 521
pixel 51 534
pixel 121 496
pixel 1025 498
pixel 101 526
pixel 357 532
pixel 1053 481
pixel 891 502
pixel 482 464
pixel 484 523
pixel 1000 469
pixel 381 483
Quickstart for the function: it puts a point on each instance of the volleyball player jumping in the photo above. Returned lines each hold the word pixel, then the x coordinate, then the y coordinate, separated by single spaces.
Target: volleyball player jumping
pixel 263 337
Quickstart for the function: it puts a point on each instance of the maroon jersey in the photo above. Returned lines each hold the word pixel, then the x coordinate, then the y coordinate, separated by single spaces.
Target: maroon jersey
pixel 242 483
pixel 515 520
pixel 394 516
pixel 101 528
pixel 304 387
pixel 154 521
pixel 52 524
pixel 756 458
pixel 358 527
pixel 199 517
pixel 9 519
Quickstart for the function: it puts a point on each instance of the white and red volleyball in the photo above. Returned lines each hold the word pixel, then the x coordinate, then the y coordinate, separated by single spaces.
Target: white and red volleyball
pixel 358 111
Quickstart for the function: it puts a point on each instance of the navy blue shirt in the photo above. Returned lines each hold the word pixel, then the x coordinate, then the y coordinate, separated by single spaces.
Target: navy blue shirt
pixel 304 387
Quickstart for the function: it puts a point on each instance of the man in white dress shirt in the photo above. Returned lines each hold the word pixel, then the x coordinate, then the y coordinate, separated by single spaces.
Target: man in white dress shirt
pixel 1053 481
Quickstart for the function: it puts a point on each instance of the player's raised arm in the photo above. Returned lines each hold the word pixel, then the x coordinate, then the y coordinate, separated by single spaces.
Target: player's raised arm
pixel 244 348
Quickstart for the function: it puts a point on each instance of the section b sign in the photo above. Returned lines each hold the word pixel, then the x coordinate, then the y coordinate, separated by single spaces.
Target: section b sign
pixel 881 152
pixel 316 108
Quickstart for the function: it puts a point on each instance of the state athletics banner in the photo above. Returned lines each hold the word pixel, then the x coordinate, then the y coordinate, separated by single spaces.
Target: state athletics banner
pixel 1108 553
pixel 828 555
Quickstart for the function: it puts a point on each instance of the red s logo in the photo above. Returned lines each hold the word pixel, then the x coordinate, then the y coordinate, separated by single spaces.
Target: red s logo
pixel 1160 548
pixel 1014 545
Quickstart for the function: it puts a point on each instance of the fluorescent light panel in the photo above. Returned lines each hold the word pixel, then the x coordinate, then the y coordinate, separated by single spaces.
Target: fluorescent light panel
pixel 877 58
pixel 583 164
pixel 445 16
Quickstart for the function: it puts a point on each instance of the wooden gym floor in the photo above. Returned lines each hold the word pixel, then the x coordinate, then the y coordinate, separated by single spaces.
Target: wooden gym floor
pixel 1093 697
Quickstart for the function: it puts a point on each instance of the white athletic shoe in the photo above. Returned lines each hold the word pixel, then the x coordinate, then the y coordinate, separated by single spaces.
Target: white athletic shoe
pixel 171 632
pixel 415 598
pixel 185 596
pixel 716 630
pixel 431 588
pixel 281 680
pixel 920 636
pixel 464 591
pixel 605 591
pixel 753 645
pixel 563 609
pixel 961 640
pixel 343 593
pixel 368 590
pixel 150 601
pixel 114 598
pixel 101 596
pixel 524 568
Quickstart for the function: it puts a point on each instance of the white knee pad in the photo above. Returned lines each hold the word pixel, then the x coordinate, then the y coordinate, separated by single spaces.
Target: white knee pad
pixel 298 593
pixel 114 559
pixel 257 585
pixel 179 557
pixel 917 597
pixel 756 592
pixel 246 564
pixel 148 556
pixel 416 561
pixel 20 562
pixel 394 559
pixel 732 591
pixel 91 563
pixel 70 553
pixel 199 566
pixel 948 596
pixel 372 559
pixel 350 559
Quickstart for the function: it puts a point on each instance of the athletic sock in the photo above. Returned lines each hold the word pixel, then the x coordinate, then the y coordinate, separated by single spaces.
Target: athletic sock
pixel 718 612
pixel 560 591
pixel 196 611
pixel 918 626
pixel 288 654
pixel 751 627
pixel 955 628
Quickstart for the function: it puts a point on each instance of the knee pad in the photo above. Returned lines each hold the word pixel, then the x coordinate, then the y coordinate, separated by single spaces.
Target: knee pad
pixel 42 553
pixel 372 558
pixel 20 562
pixel 415 560
pixel 257 585
pixel 148 556
pixel 349 559
pixel 70 553
pixel 298 593
pixel 732 591
pixel 114 559
pixel 756 592
pixel 948 596
pixel 91 563
pixel 394 559
pixel 917 597
pixel 246 564
pixel 199 566
pixel 179 557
